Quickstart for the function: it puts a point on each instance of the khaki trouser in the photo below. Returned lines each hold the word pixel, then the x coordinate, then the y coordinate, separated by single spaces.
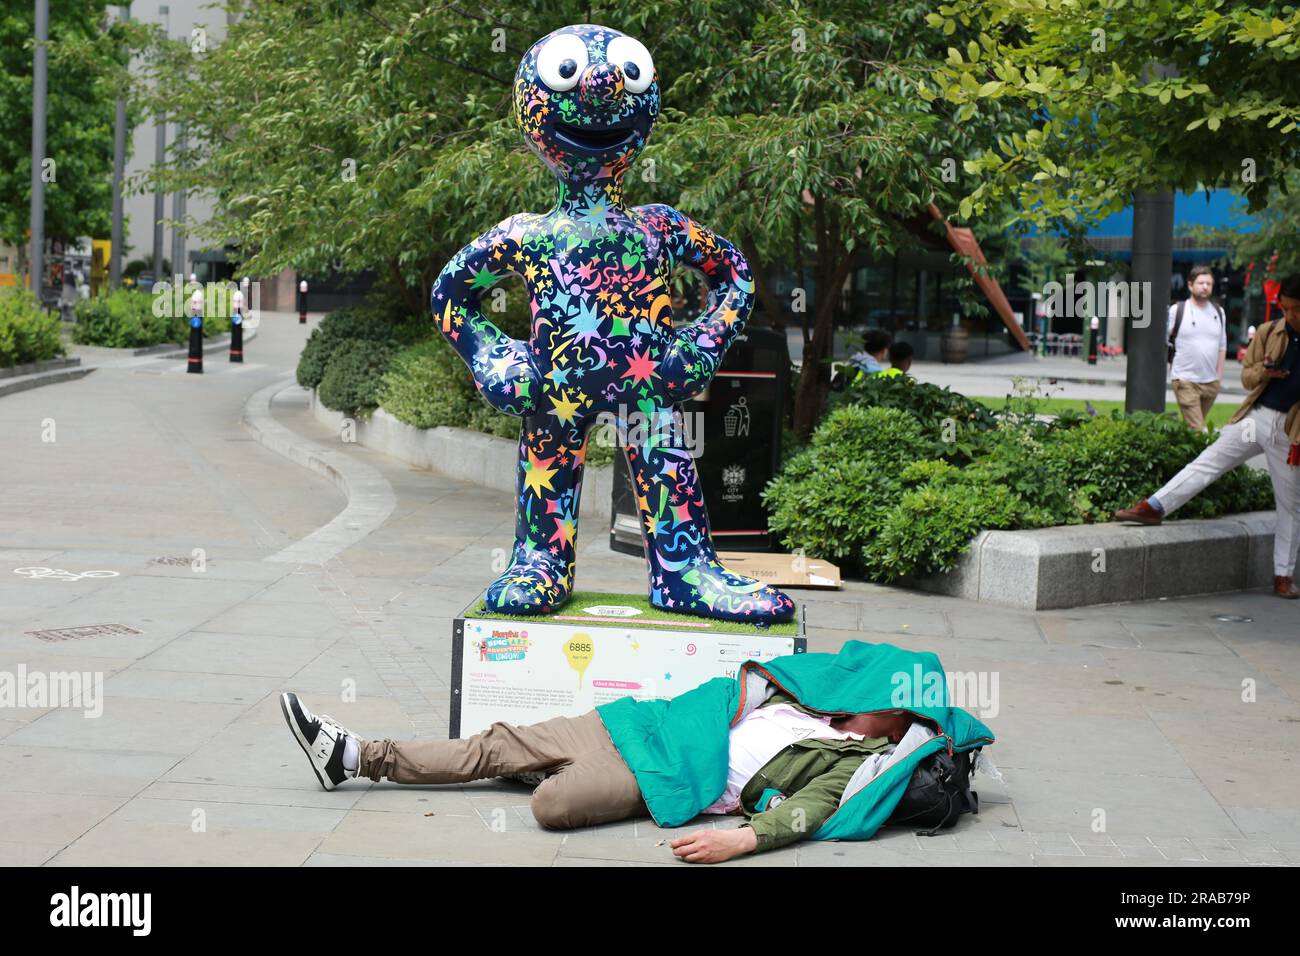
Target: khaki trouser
pixel 587 781
pixel 1195 399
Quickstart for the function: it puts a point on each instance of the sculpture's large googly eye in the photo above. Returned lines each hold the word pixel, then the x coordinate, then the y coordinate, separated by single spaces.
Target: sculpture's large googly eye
pixel 561 61
pixel 633 59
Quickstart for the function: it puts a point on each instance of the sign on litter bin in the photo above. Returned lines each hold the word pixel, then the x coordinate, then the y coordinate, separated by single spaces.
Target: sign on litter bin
pixel 739 418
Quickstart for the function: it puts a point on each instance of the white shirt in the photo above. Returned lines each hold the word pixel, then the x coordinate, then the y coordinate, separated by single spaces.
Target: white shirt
pixel 760 737
pixel 1201 338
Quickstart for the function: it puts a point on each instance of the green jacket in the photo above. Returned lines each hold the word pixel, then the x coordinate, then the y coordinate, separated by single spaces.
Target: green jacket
pixel 809 776
pixel 678 749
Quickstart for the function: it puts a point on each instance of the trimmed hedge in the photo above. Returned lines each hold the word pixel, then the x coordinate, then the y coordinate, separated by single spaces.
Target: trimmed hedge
pixel 352 377
pixel 347 326
pixel 125 319
pixel 27 334
pixel 902 487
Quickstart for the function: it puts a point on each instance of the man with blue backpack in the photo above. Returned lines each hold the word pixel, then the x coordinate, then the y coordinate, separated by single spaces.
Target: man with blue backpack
pixel 820 746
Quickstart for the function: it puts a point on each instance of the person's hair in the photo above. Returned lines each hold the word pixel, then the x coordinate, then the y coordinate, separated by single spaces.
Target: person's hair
pixel 900 352
pixel 875 340
pixel 1199 271
pixel 1291 286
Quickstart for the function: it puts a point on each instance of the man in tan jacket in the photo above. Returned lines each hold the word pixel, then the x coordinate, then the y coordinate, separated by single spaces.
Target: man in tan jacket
pixel 1267 422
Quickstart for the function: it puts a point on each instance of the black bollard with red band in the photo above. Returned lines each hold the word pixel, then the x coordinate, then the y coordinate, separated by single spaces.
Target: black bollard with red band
pixel 1094 327
pixel 302 302
pixel 237 327
pixel 196 334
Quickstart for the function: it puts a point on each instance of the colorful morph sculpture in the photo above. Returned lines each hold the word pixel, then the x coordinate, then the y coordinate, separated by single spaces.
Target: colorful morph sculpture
pixel 602 340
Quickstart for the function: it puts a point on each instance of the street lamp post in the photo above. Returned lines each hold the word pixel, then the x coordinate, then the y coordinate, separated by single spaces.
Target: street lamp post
pixel 39 89
pixel 178 212
pixel 160 149
pixel 119 171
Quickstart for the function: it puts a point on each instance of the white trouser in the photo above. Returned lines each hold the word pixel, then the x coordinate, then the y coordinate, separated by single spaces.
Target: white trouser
pixel 1260 431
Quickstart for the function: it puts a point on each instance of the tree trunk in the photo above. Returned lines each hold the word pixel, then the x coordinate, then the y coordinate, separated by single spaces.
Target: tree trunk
pixel 410 295
pixel 772 308
pixel 833 267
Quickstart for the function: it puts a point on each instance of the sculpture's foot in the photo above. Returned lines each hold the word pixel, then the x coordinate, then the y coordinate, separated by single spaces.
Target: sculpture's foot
pixel 707 589
pixel 537 585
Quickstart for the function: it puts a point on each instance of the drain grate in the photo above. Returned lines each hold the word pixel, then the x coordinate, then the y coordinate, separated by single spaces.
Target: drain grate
pixel 174 561
pixel 55 634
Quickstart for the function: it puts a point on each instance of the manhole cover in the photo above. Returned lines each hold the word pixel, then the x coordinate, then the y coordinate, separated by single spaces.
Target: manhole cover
pixel 54 634
pixel 1233 618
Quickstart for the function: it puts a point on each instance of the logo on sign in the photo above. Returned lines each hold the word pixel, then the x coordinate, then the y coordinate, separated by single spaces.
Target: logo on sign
pixel 503 646
pixel 733 480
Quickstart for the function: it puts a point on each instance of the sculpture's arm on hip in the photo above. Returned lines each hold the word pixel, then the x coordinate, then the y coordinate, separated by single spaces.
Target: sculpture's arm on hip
pixel 697 349
pixel 502 367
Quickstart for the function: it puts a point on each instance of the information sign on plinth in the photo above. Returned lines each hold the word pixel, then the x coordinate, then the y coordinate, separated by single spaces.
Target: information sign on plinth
pixel 597 648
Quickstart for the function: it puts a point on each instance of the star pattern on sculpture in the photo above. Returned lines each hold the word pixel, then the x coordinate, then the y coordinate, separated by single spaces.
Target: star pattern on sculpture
pixel 601 342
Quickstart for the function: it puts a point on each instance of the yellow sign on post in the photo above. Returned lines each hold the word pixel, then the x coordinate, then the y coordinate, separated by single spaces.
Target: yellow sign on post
pixel 100 253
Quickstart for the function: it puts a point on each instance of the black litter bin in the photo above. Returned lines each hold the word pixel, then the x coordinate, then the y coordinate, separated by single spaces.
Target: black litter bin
pixel 740 414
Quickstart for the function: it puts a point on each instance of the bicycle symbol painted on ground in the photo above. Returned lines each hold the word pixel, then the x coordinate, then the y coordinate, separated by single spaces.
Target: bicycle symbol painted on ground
pixel 58 574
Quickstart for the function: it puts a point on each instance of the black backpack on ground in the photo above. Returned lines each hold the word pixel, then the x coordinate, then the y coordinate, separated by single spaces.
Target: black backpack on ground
pixel 938 793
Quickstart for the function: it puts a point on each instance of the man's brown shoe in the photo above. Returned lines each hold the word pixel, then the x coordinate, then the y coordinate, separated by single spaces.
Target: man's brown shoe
pixel 1142 513
pixel 1284 587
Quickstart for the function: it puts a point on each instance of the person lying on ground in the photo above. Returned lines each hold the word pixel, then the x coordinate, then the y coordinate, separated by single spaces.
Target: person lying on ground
pixel 786 770
pixel 779 743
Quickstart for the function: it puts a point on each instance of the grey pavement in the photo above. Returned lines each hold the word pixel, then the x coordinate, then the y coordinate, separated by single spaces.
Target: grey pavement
pixel 1128 735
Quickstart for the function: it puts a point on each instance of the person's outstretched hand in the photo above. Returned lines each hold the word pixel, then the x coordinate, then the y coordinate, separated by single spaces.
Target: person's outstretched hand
pixel 715 846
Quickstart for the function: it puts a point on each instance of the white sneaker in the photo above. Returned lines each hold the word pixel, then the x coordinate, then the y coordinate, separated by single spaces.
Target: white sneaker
pixel 322 739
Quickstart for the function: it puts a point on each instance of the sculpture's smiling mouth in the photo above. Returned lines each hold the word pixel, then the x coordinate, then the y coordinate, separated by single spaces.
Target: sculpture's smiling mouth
pixel 593 140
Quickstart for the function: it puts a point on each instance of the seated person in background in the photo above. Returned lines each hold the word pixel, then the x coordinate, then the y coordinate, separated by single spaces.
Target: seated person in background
pixel 1268 423
pixel 900 359
pixel 875 345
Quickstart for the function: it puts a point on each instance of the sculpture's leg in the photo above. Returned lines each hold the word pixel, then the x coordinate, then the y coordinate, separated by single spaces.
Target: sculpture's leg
pixel 540 576
pixel 685 574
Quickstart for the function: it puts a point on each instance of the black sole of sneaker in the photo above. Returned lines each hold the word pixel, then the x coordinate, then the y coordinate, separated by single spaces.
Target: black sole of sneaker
pixel 292 721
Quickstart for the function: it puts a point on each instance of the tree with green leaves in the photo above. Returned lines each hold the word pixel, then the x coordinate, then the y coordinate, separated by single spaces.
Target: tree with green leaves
pixel 376 134
pixel 1274 231
pixel 87 71
pixel 1132 100
pixel 1127 95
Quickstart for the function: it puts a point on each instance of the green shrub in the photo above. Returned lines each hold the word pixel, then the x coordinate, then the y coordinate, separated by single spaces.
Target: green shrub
pixel 427 385
pixel 353 375
pixel 831 498
pixel 1118 459
pixel 932 525
pixel 941 412
pixel 27 334
pixel 362 324
pixel 877 492
pixel 123 320
pixel 602 445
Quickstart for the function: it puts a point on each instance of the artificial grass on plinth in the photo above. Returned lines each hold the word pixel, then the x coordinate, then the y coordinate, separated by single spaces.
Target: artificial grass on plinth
pixel 650 618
